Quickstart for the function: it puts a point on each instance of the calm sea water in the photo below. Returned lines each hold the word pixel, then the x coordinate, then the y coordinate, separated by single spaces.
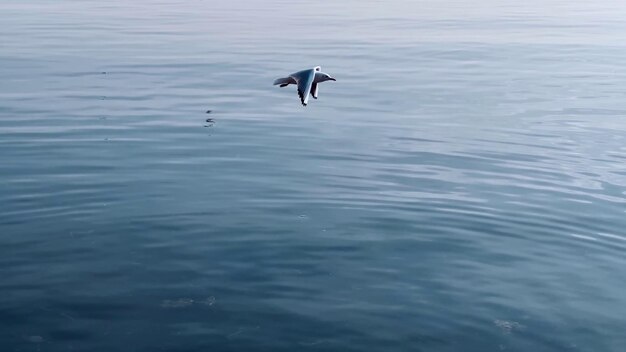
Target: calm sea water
pixel 461 187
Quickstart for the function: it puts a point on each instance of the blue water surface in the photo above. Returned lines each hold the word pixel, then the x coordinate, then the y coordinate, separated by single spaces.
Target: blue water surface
pixel 461 187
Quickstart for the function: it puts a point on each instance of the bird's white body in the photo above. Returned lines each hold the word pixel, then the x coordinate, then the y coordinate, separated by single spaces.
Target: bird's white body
pixel 307 82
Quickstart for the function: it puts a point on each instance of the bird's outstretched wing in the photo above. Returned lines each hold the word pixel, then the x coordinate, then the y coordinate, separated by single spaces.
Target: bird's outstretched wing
pixel 314 90
pixel 285 81
pixel 305 80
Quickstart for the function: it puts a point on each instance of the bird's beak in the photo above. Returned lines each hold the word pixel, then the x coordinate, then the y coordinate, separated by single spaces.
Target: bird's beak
pixel 332 79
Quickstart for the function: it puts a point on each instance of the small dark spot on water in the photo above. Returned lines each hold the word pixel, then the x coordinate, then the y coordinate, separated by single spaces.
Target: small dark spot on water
pixel 210 122
pixel 103 72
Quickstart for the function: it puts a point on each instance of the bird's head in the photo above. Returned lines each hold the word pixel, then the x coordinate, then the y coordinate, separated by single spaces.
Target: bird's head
pixel 327 77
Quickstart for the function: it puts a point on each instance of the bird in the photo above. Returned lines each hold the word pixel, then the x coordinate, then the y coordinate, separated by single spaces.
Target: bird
pixel 307 82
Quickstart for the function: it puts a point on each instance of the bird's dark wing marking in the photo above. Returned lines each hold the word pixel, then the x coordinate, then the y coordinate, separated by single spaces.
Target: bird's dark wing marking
pixel 314 90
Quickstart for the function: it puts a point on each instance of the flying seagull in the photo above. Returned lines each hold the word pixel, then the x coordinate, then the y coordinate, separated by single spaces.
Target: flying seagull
pixel 307 81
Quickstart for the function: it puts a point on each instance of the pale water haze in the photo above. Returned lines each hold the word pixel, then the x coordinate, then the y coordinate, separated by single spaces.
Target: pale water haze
pixel 461 187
